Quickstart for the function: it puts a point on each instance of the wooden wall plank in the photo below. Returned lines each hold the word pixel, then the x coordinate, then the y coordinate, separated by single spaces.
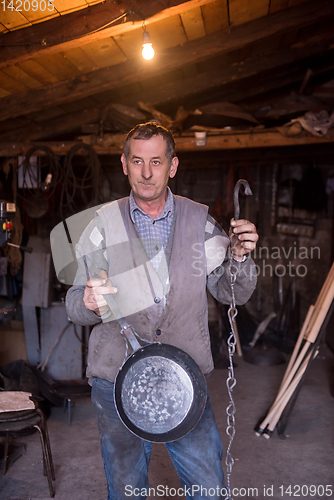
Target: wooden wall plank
pixel 104 52
pixel 193 23
pixel 242 11
pixel 22 77
pixel 215 16
pixel 37 71
pixel 57 65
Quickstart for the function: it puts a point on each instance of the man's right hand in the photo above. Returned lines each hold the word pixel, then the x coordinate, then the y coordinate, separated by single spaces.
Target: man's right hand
pixel 94 291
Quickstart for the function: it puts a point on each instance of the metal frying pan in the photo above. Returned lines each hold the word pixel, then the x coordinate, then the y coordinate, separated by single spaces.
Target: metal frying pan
pixel 160 392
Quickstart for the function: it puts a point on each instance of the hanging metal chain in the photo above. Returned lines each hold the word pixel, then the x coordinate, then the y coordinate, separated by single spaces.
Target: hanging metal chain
pixel 232 340
pixel 231 380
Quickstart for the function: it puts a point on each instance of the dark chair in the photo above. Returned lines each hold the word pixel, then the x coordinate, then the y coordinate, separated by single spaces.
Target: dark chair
pixel 22 420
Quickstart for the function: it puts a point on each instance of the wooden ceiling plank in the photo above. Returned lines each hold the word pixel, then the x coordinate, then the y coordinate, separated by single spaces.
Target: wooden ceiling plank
pixel 57 65
pixel 4 93
pixel 11 84
pixel 11 127
pixel 132 71
pixel 118 94
pixel 80 60
pixel 39 11
pixel 131 43
pixel 37 71
pixel 294 3
pixel 104 53
pixel 22 77
pixel 193 23
pixel 215 16
pixel 66 6
pixel 12 19
pixel 44 115
pixel 71 30
pixel 167 33
pixel 53 127
pixel 94 2
pixel 163 35
pixel 78 105
pixel 242 12
pixel 3 28
pixel 221 76
pixel 277 5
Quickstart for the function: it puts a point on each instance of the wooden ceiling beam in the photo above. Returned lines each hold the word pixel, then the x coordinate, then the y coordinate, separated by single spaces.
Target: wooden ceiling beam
pixel 79 28
pixel 289 64
pixel 263 139
pixel 52 128
pixel 138 70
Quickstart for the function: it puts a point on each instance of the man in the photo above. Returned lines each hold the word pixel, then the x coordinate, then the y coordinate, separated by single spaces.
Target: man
pixel 156 254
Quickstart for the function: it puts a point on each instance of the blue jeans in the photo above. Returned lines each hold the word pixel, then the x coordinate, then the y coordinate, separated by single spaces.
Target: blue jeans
pixel 196 456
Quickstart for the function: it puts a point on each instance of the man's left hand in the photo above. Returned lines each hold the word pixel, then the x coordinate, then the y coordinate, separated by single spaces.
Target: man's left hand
pixel 247 237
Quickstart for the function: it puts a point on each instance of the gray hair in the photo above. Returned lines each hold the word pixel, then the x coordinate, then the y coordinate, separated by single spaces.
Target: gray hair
pixel 146 131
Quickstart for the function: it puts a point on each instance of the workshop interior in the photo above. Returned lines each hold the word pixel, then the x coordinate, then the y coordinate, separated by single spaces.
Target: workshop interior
pixel 247 88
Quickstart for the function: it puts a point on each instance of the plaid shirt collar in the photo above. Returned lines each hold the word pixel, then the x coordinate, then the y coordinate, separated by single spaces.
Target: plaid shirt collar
pixel 168 210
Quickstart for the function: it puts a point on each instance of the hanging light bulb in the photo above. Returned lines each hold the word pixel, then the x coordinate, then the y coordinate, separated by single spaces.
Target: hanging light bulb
pixel 148 50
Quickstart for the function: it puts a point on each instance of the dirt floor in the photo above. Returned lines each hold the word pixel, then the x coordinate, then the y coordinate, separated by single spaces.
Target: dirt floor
pixel 296 464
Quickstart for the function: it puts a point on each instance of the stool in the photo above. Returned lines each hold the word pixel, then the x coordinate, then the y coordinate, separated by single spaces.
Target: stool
pixel 21 420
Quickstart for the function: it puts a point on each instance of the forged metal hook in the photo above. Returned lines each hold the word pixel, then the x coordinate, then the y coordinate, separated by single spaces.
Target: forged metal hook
pixel 248 192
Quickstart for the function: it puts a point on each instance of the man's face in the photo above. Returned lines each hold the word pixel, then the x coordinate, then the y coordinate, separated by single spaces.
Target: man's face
pixel 148 169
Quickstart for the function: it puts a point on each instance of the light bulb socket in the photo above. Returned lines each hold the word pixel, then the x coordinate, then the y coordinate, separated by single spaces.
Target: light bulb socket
pixel 146 37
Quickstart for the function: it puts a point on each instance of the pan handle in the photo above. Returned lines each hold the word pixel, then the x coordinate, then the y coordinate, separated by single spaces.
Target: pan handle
pixel 126 330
